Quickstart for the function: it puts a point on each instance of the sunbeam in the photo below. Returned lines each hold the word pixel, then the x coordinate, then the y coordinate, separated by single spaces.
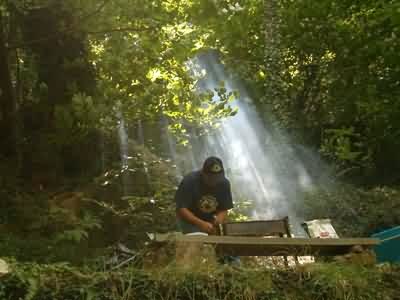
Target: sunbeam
pixel 262 165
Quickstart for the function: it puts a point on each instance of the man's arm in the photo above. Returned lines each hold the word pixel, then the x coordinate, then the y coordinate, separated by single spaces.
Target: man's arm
pixel 183 199
pixel 188 216
pixel 220 216
pixel 225 204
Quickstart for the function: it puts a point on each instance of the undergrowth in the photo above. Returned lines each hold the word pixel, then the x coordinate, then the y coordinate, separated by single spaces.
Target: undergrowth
pixel 316 281
pixel 370 210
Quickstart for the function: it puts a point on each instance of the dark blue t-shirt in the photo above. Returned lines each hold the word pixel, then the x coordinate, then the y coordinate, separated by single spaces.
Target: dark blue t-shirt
pixel 201 200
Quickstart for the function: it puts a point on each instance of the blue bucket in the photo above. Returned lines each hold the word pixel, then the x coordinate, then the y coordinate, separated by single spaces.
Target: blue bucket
pixel 389 248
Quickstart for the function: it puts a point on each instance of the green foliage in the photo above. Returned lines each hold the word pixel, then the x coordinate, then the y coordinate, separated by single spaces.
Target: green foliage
pixel 329 73
pixel 328 70
pixel 121 205
pixel 331 282
pixel 370 210
pixel 242 210
pixel 334 81
pixel 143 70
pixel 79 67
pixel 229 23
pixel 80 231
pixel 346 149
pixel 343 282
pixel 49 234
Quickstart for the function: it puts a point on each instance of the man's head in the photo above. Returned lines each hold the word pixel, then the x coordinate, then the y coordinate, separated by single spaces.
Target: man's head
pixel 213 171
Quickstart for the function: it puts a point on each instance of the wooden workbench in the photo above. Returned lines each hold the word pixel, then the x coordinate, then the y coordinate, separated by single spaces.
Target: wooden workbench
pixel 266 246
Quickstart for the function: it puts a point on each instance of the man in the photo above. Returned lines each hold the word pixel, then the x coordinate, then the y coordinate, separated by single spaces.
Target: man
pixel 203 198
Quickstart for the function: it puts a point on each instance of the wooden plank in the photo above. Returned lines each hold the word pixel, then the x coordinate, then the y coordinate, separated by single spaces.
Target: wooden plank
pixel 256 228
pixel 214 239
pixel 257 246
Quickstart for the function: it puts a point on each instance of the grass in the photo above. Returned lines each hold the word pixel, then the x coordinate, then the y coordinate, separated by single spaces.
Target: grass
pixel 205 281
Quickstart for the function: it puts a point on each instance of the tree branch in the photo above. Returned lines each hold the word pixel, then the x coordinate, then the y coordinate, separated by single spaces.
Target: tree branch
pixel 119 29
pixel 95 12
pixel 54 36
pixel 83 18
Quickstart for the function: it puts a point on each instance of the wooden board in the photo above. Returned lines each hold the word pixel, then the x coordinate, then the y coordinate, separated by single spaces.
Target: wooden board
pixel 257 228
pixel 260 246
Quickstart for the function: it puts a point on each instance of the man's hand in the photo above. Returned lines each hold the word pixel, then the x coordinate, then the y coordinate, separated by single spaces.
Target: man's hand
pixel 202 225
pixel 207 227
pixel 220 217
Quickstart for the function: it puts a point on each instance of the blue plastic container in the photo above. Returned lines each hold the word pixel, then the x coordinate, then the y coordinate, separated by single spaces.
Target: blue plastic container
pixel 389 248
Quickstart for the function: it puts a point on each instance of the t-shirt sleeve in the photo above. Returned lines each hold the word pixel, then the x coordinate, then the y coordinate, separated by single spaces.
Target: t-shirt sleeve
pixel 182 195
pixel 226 199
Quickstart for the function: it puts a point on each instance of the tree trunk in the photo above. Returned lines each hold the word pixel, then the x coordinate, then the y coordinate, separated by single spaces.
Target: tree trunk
pixel 7 103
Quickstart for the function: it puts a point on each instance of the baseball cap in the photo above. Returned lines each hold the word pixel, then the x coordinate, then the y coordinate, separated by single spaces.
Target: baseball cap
pixel 214 169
